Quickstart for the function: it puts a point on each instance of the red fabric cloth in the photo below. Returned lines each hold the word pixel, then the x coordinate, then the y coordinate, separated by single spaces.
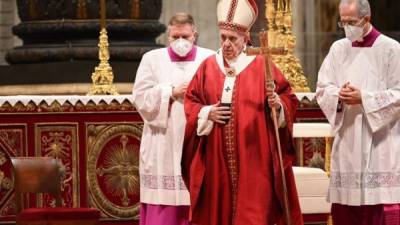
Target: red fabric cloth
pixel 59 214
pixel 386 214
pixel 205 169
pixel 33 214
pixel 360 215
pixel 392 214
pixel 316 218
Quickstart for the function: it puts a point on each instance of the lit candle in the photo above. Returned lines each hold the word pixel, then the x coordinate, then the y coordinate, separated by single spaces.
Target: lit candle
pixel 102 14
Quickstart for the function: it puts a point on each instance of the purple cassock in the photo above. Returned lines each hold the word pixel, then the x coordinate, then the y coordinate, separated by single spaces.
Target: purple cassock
pixel 165 215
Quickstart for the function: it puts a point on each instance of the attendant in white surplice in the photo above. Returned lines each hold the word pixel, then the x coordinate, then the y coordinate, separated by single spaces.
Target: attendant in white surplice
pixel 359 91
pixel 161 82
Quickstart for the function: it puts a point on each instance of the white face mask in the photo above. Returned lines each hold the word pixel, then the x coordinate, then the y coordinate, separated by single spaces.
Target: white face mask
pixel 181 46
pixel 353 33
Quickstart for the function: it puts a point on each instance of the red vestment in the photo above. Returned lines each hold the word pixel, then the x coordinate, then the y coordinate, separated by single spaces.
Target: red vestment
pixel 233 173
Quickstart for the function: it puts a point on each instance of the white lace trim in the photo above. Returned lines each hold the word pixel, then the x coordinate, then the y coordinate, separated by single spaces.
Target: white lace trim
pixel 162 182
pixel 382 99
pixel 61 99
pixel 365 180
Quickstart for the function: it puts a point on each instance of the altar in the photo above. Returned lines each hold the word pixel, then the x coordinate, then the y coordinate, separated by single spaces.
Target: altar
pixel 97 139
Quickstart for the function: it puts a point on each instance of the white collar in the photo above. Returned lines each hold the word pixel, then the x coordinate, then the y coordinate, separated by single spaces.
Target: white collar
pixel 239 63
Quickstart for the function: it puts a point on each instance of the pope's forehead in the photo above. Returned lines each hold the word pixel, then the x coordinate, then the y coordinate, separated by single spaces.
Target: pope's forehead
pixel 230 33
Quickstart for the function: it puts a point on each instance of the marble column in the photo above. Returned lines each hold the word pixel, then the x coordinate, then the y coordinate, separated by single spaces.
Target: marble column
pixel 8 18
pixel 310 46
pixel 204 14
pixel 298 26
pixel 315 27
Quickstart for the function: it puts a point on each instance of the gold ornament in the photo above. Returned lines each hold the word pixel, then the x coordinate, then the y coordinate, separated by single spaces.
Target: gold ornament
pixel 279 19
pixel 103 76
pixel 119 168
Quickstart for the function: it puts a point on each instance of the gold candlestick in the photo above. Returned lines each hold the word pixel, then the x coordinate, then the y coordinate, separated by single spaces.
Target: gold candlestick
pixel 103 76
pixel 270 14
pixel 279 16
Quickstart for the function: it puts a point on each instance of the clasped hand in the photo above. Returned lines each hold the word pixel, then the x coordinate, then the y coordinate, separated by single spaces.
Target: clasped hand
pixel 349 94
pixel 179 91
pixel 219 114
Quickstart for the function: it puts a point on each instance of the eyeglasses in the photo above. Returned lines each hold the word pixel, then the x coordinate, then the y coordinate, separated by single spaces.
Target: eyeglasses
pixel 342 24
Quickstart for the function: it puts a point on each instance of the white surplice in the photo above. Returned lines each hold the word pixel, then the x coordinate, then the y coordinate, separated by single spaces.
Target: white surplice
pixel 365 161
pixel 161 144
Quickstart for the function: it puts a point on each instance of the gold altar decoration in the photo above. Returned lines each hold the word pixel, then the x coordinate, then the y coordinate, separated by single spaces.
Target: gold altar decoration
pixel 114 158
pixel 60 141
pixel 279 22
pixel 103 76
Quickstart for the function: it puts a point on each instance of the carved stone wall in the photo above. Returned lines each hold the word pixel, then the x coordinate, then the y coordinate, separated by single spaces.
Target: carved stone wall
pixel 64 30
pixel 60 40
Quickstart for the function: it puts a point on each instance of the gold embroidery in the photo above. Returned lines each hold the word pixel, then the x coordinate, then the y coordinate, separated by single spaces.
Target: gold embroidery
pixel 231 152
pixel 112 160
pixel 230 72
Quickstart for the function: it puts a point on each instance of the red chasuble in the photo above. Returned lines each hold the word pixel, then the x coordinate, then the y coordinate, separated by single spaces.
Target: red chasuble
pixel 233 173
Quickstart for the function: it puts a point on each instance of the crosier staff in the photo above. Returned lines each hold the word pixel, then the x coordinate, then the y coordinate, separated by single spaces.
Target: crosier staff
pixel 265 51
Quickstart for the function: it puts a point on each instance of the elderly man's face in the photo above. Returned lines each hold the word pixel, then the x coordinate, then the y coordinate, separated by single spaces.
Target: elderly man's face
pixel 349 16
pixel 184 31
pixel 232 43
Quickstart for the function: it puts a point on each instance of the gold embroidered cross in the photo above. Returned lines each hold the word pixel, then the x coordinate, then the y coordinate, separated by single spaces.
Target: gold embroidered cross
pixel 230 72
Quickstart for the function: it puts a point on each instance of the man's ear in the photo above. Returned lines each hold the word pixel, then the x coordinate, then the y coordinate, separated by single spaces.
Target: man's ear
pixel 196 37
pixel 168 30
pixel 368 19
pixel 247 38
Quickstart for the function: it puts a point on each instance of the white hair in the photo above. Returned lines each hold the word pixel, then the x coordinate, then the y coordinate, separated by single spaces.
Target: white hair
pixel 364 9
